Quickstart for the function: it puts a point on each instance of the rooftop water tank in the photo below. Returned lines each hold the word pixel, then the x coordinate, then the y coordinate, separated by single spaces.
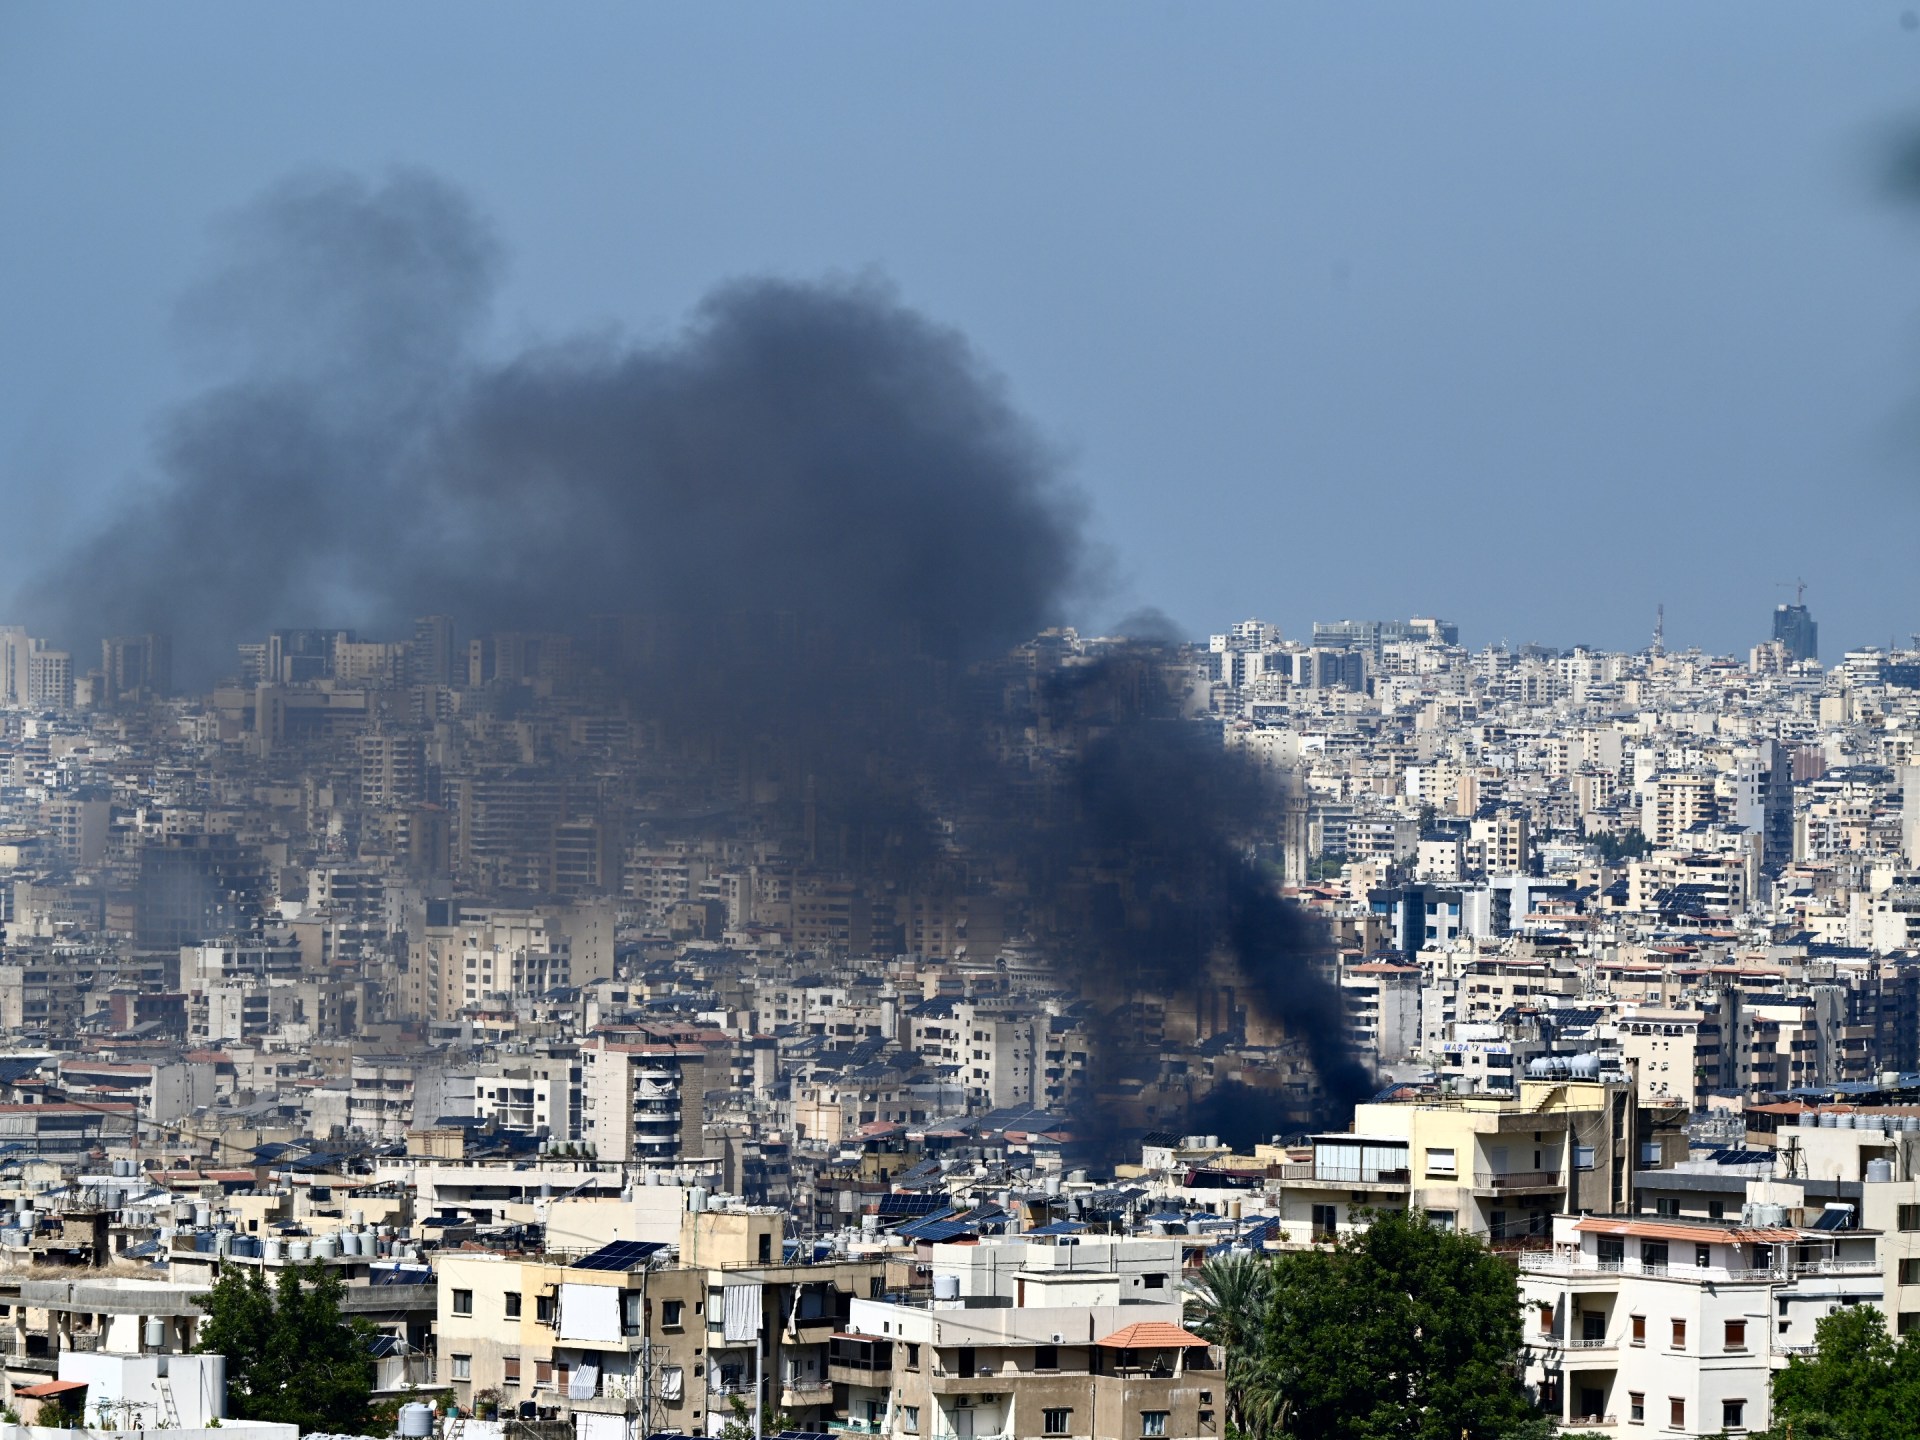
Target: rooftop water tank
pixel 416 1421
pixel 946 1287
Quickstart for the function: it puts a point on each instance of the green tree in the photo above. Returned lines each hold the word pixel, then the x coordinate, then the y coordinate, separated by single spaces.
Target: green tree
pixel 1226 1303
pixel 1404 1331
pixel 290 1355
pixel 1858 1385
pixel 1629 844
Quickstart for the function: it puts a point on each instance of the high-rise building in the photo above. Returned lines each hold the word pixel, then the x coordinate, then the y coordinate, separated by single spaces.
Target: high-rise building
pixel 1794 627
pixel 136 667
pixel 432 660
pixel 49 678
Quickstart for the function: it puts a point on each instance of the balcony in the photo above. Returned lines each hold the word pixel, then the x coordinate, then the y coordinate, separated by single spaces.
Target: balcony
pixel 1837 1267
pixel 1343 1178
pixel 806 1392
pixel 981 1382
pixel 1506 1181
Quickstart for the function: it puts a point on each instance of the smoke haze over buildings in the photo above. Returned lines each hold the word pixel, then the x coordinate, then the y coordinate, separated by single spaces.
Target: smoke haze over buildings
pixel 815 506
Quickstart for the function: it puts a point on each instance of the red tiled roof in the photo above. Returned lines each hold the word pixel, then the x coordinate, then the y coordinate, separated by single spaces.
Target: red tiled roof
pixel 1150 1335
pixel 50 1387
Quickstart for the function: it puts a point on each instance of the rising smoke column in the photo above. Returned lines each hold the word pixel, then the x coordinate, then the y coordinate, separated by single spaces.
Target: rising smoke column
pixel 822 504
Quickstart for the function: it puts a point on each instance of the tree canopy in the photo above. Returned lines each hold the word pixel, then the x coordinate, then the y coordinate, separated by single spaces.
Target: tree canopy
pixel 290 1356
pixel 1404 1331
pixel 1858 1385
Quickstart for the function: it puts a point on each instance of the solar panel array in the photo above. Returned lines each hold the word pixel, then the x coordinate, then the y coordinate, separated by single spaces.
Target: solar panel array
pixel 934 1232
pixel 912 1204
pixel 620 1255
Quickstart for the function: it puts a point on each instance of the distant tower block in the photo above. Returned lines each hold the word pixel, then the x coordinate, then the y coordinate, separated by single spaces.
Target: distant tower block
pixel 1794 628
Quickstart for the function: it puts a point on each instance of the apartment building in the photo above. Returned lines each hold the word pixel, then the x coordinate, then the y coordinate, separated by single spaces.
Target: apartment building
pixel 1495 1165
pixel 643 1103
pixel 1067 1336
pixel 1649 1324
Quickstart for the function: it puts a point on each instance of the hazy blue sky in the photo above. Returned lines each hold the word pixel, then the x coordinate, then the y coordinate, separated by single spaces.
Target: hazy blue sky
pixel 1530 315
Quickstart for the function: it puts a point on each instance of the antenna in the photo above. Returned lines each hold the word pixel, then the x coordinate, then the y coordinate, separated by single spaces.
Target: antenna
pixel 1660 629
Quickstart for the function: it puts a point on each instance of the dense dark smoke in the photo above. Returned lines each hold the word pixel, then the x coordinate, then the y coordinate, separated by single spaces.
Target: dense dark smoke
pixel 1150 855
pixel 800 519
pixel 814 449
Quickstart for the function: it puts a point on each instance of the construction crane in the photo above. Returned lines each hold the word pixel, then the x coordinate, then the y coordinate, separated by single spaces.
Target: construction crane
pixel 1799 588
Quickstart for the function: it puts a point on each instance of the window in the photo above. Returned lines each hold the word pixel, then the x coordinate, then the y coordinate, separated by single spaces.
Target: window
pixel 1046 1357
pixel 910 1419
pixel 1636 1407
pixel 1055 1421
pixel 1653 1255
pixel 511 1301
pixel 1546 1319
pixel 1702 1256
pixel 463 1302
pixel 1325 1220
pixel 543 1309
pixel 672 1313
pixel 1909 1322
pixel 463 1367
pixel 1736 1334
pixel 1639 1329
pixel 1679 1334
pixel 1716 1209
pixel 542 1373
pixel 1910 1217
pixel 1153 1422
pixel 1154 1282
pixel 510 1370
pixel 1441 1162
pixel 1733 1414
pixel 1442 1219
pixel 913 1357
pixel 1676 1413
pixel 1910 1272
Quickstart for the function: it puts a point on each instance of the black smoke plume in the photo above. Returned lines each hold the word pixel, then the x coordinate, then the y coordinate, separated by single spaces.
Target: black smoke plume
pixel 798 533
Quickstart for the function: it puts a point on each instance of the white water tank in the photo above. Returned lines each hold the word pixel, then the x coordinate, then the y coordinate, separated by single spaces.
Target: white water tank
pixel 299 1251
pixel 325 1248
pixel 273 1250
pixel 156 1334
pixel 416 1420
pixel 1879 1172
pixel 946 1287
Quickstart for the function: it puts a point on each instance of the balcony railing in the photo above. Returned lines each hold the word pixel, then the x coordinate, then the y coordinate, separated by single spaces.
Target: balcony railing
pixel 1516 1180
pixel 1837 1267
pixel 1344 1175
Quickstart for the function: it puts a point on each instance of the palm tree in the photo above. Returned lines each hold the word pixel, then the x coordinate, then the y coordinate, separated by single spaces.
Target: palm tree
pixel 1226 1304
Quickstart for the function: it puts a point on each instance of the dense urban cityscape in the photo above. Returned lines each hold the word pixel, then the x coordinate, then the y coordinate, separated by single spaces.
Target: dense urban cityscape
pixel 629 1086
